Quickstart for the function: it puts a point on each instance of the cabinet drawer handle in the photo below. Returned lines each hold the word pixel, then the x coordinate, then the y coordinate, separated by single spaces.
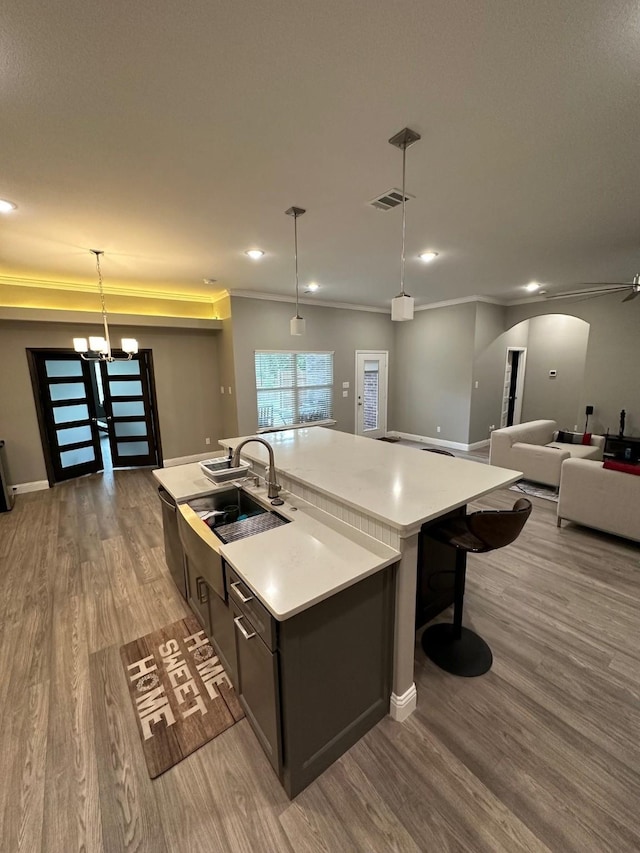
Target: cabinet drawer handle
pixel 235 586
pixel 243 630
pixel 203 595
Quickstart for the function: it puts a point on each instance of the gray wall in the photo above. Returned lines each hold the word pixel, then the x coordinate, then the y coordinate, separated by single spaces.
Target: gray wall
pixel 263 324
pixel 187 385
pixel 613 354
pixel 228 408
pixel 555 342
pixel 432 373
pixel 488 370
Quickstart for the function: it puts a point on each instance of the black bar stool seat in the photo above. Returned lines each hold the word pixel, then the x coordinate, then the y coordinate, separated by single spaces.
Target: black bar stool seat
pixel 450 646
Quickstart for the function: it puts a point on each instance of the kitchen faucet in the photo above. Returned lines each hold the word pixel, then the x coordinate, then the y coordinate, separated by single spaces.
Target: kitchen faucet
pixel 274 488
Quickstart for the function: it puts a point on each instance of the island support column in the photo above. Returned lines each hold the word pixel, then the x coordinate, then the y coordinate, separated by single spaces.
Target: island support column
pixel 404 695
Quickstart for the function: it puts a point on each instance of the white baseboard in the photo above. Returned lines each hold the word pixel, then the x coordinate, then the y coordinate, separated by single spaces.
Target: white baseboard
pixel 439 442
pixel 197 457
pixel 35 486
pixel 401 707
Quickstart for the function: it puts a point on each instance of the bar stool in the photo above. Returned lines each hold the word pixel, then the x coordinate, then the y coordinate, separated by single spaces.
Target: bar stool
pixel 453 648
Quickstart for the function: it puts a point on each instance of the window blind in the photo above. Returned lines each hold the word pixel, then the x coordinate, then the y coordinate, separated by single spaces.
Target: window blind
pixel 293 387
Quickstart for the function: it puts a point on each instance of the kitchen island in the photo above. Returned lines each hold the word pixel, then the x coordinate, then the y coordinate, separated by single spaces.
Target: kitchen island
pixel 385 491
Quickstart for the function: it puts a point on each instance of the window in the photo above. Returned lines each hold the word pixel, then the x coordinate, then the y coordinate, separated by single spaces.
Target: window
pixel 293 387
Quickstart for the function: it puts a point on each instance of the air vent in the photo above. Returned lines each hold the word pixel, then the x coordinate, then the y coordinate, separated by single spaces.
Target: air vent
pixel 392 198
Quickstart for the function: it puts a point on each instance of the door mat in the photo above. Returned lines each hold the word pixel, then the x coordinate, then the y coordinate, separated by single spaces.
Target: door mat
pixel 536 490
pixel 181 695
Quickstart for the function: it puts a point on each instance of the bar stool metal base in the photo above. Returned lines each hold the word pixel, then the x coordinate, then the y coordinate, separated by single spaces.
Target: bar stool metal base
pixel 467 656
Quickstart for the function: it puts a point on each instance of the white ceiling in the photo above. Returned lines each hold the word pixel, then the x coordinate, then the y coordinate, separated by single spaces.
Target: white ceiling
pixel 174 136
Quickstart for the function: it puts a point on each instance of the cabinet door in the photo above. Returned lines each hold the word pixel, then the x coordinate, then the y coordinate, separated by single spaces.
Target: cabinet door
pixel 258 687
pixel 223 635
pixel 198 594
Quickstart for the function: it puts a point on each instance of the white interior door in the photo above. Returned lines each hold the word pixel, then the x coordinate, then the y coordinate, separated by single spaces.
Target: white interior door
pixel 371 393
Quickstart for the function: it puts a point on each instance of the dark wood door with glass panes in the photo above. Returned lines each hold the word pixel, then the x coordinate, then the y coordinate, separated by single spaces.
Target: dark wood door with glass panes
pixel 129 403
pixel 66 413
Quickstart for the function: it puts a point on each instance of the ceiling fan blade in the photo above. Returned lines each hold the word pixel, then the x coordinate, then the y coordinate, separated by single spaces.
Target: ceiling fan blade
pixel 606 284
pixel 631 296
pixel 572 294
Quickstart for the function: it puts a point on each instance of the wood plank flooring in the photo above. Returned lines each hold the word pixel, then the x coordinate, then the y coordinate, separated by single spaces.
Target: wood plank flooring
pixel 541 754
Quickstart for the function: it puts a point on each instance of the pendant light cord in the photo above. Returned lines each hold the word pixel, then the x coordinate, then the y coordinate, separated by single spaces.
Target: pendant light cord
pixel 295 238
pixel 404 218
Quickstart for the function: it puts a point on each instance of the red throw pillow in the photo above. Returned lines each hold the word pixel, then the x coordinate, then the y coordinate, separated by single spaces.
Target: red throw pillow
pixel 586 438
pixel 624 467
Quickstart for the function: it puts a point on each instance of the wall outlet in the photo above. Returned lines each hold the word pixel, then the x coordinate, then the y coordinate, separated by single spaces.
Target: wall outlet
pixel 476 383
pixel 207 441
pixel 222 389
pixel 437 429
pixel 229 390
pixel 345 393
pixel 493 426
pixel 575 426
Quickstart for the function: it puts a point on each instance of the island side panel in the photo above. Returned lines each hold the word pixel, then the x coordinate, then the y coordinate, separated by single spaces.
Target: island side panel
pixel 404 694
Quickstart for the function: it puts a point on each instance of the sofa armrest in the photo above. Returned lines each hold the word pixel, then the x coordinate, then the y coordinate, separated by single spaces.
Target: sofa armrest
pixel 598 441
pixel 538 463
pixel 597 497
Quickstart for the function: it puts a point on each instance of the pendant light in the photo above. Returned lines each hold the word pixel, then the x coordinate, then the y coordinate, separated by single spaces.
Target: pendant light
pixel 402 305
pixel 297 324
pixel 99 348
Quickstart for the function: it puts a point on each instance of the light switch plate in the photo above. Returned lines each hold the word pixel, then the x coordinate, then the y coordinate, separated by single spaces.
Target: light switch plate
pixel 222 389
pixel 345 384
pixel 345 393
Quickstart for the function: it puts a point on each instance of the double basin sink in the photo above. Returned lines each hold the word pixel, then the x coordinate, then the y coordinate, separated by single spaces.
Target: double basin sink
pixel 232 514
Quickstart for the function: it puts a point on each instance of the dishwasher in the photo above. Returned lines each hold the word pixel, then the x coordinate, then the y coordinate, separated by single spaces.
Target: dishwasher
pixel 173 553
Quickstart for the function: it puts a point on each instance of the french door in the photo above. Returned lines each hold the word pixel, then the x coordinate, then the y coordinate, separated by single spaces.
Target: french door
pixel 371 393
pixel 129 405
pixel 66 413
pixel 67 403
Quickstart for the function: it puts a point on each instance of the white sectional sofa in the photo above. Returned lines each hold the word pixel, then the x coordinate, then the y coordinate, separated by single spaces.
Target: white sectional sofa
pixel 600 498
pixel 532 449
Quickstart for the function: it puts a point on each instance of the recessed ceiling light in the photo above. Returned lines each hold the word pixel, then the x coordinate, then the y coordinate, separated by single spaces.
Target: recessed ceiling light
pixel 533 285
pixel 427 257
pixel 7 206
pixel 254 254
pixel 313 287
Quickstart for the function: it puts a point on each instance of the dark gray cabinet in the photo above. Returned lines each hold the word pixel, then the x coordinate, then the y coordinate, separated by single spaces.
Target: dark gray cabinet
pixel 222 634
pixel 258 686
pixel 314 684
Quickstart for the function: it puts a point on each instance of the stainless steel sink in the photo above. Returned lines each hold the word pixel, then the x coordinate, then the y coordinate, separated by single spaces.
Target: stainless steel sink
pixel 232 514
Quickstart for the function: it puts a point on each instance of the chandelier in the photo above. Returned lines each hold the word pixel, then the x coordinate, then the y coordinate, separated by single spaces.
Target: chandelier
pixel 99 348
pixel 402 304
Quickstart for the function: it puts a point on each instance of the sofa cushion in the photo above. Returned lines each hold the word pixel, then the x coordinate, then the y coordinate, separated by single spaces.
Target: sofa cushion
pixel 578 451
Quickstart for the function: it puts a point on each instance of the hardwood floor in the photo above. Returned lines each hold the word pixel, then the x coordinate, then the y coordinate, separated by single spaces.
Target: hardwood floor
pixel 541 754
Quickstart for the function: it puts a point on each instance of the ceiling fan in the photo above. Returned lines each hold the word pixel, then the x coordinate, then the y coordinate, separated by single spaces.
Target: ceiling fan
pixel 592 289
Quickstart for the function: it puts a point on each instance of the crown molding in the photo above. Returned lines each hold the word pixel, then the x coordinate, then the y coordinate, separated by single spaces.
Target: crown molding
pixel 90 318
pixel 279 297
pixel 445 303
pixel 109 289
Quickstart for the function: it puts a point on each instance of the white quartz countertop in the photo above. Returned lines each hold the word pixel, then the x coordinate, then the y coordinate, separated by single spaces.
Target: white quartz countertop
pixel 184 482
pixel 399 485
pixel 302 563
